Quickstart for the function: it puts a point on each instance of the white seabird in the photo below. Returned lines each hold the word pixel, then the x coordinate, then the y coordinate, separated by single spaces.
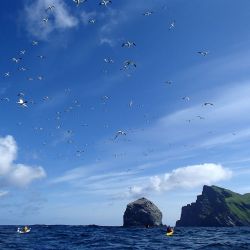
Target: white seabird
pixel 118 133
pixel 105 2
pixel 128 44
pixel 22 102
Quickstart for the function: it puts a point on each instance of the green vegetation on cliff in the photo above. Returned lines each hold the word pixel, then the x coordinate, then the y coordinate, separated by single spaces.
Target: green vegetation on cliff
pixel 217 207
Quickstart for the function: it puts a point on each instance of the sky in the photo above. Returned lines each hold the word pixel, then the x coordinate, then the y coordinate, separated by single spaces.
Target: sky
pixel 88 125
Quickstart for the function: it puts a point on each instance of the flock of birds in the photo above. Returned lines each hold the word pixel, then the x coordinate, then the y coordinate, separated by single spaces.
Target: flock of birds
pixel 23 102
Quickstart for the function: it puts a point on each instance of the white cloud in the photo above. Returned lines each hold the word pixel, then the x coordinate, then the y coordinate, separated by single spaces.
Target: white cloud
pixel 184 177
pixel 16 174
pixel 8 151
pixel 59 18
pixel 23 175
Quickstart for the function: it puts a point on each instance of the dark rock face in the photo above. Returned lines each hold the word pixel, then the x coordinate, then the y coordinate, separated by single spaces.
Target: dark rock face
pixel 216 207
pixel 142 212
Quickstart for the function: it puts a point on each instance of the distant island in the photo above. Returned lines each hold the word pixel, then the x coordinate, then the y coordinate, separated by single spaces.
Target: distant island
pixel 216 207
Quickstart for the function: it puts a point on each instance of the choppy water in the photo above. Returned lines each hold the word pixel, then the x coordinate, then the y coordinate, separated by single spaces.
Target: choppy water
pixel 93 237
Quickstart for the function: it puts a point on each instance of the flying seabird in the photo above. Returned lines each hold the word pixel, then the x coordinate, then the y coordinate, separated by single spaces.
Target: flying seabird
pixel 172 25
pixel 128 63
pixel 45 20
pixel 78 2
pixel 106 97
pixel 128 44
pixel 105 2
pixel 34 43
pixel 119 133
pixel 79 152
pixel 147 13
pixel 203 53
pixel 45 98
pixel 20 94
pixel 208 103
pixel 201 117
pixel 168 82
pixel 50 7
pixel 92 20
pixel 7 74
pixel 22 103
pixel 131 104
pixel 5 99
pixel 16 60
pixel 22 69
pixel 108 60
pixel 186 98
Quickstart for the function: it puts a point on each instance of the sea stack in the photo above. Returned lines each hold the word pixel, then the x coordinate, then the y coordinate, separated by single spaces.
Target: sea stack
pixel 142 213
pixel 216 207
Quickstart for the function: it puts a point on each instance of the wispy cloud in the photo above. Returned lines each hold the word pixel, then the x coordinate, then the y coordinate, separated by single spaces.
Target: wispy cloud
pixel 127 184
pixel 111 19
pixel 59 18
pixel 241 135
pixel 71 175
pixel 107 41
pixel 228 115
pixel 18 175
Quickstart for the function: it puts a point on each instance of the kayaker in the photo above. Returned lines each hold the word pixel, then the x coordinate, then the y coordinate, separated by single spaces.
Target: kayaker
pixel 169 229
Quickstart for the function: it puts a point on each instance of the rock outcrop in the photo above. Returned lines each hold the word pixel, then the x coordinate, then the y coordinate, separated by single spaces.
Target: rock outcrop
pixel 142 212
pixel 216 207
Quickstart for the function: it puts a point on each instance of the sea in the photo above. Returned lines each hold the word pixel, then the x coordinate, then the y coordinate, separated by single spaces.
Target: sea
pixel 97 237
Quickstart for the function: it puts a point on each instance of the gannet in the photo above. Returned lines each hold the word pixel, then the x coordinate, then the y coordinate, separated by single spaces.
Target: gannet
pixel 105 2
pixel 22 103
pixel 78 2
pixel 50 7
pixel 203 53
pixel 128 63
pixel 119 133
pixel 172 25
pixel 128 44
pixel 108 60
pixel 147 13
pixel 208 103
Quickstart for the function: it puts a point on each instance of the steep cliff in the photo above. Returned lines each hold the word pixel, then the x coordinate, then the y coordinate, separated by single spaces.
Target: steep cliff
pixel 217 207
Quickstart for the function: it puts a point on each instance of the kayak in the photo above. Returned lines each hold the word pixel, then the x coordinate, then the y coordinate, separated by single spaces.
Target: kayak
pixel 170 233
pixel 20 231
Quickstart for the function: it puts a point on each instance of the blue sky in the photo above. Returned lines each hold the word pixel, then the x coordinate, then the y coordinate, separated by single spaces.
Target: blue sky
pixel 60 159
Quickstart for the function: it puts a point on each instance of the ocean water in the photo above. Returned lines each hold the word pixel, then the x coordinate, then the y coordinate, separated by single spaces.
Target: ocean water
pixel 95 237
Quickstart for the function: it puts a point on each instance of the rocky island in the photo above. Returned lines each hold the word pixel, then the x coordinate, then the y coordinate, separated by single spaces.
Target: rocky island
pixel 216 207
pixel 142 213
